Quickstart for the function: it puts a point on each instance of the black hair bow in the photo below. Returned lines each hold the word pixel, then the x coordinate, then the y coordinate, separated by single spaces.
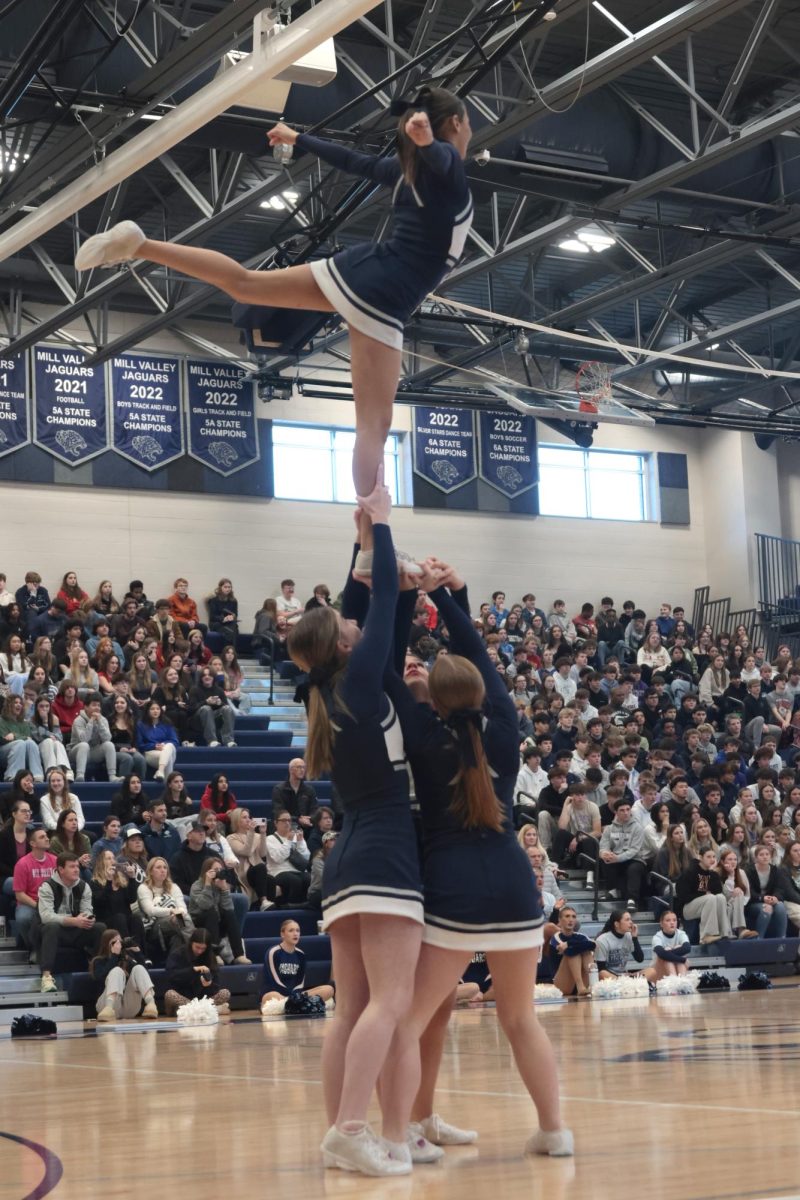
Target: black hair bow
pixel 318 677
pixel 459 722
pixel 420 103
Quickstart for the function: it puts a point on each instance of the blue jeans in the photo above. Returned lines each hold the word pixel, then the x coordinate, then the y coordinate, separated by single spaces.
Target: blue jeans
pixel 241 906
pixel 23 920
pixel 8 886
pixel 605 651
pixel 766 924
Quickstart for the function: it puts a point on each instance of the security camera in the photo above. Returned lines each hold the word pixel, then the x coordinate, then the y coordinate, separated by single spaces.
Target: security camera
pixel 482 157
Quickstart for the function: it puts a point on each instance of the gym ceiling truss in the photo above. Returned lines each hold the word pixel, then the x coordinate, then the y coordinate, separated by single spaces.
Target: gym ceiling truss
pixel 701 255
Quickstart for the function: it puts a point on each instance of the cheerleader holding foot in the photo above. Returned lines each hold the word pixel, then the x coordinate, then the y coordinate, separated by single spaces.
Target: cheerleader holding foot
pixel 372 892
pixel 479 892
pixel 375 288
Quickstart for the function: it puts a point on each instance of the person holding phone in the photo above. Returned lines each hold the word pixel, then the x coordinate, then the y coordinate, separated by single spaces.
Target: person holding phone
pixel 287 860
pixel 211 908
pixel 248 841
pixel 192 974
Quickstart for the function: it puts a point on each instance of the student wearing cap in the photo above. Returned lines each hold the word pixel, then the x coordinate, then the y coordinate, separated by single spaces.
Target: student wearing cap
pixel 133 857
pixel 314 897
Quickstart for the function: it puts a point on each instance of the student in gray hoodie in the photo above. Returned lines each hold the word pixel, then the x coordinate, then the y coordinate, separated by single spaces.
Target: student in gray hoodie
pixel 65 916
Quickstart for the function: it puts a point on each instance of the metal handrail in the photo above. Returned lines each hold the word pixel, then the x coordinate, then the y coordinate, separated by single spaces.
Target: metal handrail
pixel 596 871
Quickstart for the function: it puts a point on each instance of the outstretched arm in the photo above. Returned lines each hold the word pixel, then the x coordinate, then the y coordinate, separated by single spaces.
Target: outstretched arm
pixel 368 166
pixel 355 594
pixel 364 680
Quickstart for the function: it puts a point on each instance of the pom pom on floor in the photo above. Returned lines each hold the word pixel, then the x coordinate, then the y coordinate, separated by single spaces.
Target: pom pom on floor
pixel 712 981
pixel 621 987
pixel 547 993
pixel 754 981
pixel 198 1012
pixel 678 985
pixel 273 1008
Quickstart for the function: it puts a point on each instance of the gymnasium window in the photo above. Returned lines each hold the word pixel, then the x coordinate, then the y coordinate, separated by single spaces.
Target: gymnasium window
pixel 312 463
pixel 595 484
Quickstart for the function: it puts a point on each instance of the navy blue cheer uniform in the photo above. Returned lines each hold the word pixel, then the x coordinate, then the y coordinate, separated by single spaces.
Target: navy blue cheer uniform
pixel 480 892
pixel 284 971
pixel 374 866
pixel 377 286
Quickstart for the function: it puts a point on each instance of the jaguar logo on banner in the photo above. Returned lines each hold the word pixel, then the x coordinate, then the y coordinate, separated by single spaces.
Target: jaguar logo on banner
pixel 444 447
pixel 508 452
pixel 69 405
pixel 15 429
pixel 222 418
pixel 146 424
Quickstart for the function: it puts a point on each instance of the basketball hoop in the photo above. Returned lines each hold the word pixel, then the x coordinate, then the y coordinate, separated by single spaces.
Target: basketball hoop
pixel 593 385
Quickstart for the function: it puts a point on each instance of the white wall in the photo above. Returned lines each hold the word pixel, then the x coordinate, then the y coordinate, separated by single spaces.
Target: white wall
pixel 734 490
pixel 156 536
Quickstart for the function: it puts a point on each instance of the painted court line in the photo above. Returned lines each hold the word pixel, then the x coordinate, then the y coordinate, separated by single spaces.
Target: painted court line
pixel 724 1108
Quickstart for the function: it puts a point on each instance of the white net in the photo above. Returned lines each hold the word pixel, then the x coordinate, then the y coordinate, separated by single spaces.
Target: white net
pixel 593 385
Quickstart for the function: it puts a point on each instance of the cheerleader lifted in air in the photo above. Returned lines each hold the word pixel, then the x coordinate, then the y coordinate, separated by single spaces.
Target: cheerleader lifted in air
pixel 374 287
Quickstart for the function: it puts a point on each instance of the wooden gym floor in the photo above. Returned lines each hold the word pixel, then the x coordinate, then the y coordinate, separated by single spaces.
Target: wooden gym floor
pixel 688 1097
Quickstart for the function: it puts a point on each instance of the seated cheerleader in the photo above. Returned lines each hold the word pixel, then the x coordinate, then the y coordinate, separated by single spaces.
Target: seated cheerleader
pixel 285 972
pixel 671 948
pixel 615 945
pixel 575 952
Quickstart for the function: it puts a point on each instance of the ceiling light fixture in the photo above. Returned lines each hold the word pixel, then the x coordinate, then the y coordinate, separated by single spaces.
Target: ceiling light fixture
pixel 574 246
pixel 590 238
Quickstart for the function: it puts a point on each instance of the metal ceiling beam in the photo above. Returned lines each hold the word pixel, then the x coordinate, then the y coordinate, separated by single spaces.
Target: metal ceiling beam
pixel 754 321
pixel 740 71
pixel 751 135
pixel 269 57
pixel 604 68
pixel 673 76
pixel 206 46
pixel 350 203
pixel 197 233
pixel 35 54
pixel 601 70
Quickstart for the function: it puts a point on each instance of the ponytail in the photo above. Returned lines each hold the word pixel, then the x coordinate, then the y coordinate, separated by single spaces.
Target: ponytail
pixel 440 105
pixel 313 646
pixel 474 801
pixel 319 742
pixel 457 691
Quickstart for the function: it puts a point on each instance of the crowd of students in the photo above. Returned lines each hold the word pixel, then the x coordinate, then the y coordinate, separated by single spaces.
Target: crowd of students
pixel 161 870
pixel 659 758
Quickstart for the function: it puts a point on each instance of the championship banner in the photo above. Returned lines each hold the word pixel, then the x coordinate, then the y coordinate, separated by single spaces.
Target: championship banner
pixel 444 447
pixel 508 452
pixel 15 430
pixel 69 405
pixel 146 425
pixel 222 418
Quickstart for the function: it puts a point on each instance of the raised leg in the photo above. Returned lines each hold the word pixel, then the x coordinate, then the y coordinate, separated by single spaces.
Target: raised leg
pixel 292 287
pixel 375 372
